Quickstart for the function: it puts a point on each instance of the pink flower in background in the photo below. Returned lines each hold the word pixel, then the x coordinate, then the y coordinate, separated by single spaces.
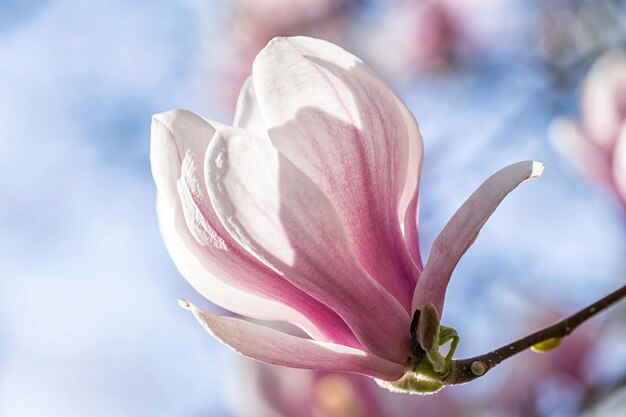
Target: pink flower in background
pixel 597 145
pixel 525 390
pixel 305 211
pixel 548 383
pixel 424 36
pixel 435 36
pixel 274 391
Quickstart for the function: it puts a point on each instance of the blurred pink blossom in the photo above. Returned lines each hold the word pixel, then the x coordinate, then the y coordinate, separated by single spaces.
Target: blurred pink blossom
pixel 424 37
pixel 597 145
pixel 305 211
pixel 281 392
pixel 430 36
pixel 273 391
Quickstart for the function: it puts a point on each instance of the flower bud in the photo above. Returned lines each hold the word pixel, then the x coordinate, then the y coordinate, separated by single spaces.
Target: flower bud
pixel 546 345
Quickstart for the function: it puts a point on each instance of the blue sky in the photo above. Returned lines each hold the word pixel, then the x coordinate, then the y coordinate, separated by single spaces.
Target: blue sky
pixel 89 323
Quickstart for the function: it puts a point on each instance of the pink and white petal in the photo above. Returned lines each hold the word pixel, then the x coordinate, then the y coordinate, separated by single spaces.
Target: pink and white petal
pixel 336 120
pixel 619 165
pixel 463 228
pixel 408 209
pixel 602 117
pixel 247 113
pixel 272 346
pixel 276 212
pixel 582 153
pixel 411 231
pixel 204 252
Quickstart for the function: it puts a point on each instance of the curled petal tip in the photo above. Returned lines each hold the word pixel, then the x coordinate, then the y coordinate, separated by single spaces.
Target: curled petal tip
pixel 165 118
pixel 277 39
pixel 537 169
pixel 186 305
pixel 157 117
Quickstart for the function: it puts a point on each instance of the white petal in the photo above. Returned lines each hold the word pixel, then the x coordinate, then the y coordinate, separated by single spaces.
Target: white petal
pixel 247 113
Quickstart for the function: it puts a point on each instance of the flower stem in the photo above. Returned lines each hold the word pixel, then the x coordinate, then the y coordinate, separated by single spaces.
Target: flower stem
pixel 466 370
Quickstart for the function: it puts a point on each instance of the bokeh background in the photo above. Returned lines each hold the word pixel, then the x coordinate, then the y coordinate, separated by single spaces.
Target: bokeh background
pixel 89 324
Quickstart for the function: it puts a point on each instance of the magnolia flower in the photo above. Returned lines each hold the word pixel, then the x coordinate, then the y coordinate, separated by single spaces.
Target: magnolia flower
pixel 305 211
pixel 597 147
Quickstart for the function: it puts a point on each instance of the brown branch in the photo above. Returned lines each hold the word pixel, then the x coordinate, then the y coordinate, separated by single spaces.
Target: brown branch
pixel 465 370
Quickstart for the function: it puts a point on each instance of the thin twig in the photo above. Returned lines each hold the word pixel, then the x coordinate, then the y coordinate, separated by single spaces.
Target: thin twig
pixel 465 370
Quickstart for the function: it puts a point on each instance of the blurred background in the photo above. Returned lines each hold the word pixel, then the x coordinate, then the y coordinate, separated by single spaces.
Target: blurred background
pixel 89 324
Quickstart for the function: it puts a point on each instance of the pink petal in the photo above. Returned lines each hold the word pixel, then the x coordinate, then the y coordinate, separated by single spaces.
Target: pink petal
pixel 278 214
pixel 331 116
pixel 204 252
pixel 619 164
pixel 581 152
pixel 602 117
pixel 277 348
pixel 409 203
pixel 463 228
pixel 247 113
